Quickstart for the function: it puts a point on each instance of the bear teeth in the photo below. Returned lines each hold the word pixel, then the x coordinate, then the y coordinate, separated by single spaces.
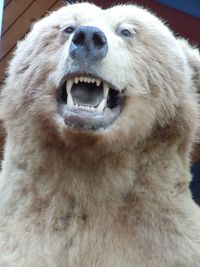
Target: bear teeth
pixel 70 103
pixel 87 108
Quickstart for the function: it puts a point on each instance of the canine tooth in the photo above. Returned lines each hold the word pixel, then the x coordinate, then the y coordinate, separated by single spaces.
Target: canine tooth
pixel 105 90
pixel 98 82
pixel 101 106
pixel 70 102
pixel 69 86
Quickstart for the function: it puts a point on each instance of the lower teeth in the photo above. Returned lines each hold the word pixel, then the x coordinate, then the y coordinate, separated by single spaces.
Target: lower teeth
pixel 88 108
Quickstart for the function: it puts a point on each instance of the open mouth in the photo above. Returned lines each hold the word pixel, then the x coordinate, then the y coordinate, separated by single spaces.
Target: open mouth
pixel 88 102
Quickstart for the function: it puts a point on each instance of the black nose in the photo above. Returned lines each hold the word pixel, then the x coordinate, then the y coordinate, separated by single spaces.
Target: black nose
pixel 88 44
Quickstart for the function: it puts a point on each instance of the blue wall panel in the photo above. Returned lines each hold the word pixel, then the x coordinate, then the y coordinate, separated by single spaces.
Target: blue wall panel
pixel 195 184
pixel 191 7
pixel 1 14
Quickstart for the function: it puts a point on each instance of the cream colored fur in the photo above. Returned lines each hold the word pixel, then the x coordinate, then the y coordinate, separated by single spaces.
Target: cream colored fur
pixel 117 197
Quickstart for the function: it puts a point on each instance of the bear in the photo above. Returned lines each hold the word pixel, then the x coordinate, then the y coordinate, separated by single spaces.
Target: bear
pixel 101 113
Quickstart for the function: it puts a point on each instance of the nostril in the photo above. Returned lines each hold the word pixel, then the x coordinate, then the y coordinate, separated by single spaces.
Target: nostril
pixel 98 40
pixel 79 39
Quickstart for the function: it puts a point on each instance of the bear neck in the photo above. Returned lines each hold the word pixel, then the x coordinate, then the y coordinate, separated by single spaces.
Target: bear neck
pixel 148 172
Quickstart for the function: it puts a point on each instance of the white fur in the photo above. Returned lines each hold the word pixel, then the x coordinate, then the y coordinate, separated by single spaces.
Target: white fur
pixel 112 198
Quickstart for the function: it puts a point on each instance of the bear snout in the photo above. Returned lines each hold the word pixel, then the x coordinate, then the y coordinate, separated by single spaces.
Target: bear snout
pixel 88 44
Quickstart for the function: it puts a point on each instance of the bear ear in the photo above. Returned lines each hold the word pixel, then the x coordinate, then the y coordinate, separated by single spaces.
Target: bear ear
pixel 193 58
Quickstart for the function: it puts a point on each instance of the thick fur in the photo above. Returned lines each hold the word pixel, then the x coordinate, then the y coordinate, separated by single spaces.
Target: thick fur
pixel 111 198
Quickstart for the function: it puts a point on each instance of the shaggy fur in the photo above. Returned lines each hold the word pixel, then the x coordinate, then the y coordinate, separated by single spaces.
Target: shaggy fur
pixel 108 198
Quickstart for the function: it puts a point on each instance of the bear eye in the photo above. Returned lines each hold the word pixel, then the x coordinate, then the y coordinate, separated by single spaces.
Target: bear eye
pixel 69 29
pixel 126 33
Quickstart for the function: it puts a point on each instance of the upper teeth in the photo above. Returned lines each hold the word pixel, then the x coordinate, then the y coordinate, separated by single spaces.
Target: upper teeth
pixel 76 80
pixel 86 80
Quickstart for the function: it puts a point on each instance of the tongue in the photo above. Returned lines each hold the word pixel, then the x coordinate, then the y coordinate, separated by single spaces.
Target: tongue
pixel 87 94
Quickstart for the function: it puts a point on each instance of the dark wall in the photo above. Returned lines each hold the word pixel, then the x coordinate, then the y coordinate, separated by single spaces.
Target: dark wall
pixel 195 184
